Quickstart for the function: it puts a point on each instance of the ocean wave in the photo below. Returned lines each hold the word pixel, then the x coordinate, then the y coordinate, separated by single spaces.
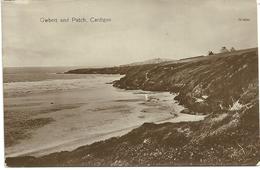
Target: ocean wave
pixel 24 88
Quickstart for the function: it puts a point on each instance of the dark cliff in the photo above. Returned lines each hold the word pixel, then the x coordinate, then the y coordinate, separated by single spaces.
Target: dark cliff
pixel 210 84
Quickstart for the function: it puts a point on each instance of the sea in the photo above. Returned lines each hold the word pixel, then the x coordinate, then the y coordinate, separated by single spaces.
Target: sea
pixel 47 111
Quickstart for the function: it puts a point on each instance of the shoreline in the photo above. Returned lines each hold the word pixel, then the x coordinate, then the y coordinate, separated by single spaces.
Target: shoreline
pixel 75 143
pixel 42 111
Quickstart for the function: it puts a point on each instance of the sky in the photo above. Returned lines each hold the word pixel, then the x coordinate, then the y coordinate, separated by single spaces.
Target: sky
pixel 139 30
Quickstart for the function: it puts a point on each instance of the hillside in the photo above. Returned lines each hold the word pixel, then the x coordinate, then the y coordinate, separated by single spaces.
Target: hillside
pixel 204 85
pixel 123 69
pixel 151 61
pixel 222 86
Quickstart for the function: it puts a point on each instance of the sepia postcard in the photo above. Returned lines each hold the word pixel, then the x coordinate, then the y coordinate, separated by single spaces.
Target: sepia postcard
pixel 130 83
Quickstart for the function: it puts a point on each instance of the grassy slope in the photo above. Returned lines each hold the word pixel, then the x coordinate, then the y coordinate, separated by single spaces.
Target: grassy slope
pixel 224 86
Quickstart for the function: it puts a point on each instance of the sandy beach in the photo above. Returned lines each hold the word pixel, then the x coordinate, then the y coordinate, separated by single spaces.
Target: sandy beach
pixel 61 118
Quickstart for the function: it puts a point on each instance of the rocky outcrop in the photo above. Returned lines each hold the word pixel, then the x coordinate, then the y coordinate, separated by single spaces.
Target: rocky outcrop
pixel 223 86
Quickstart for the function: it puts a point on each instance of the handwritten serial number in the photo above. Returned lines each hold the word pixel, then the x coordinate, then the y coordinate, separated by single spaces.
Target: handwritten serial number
pixel 243 19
